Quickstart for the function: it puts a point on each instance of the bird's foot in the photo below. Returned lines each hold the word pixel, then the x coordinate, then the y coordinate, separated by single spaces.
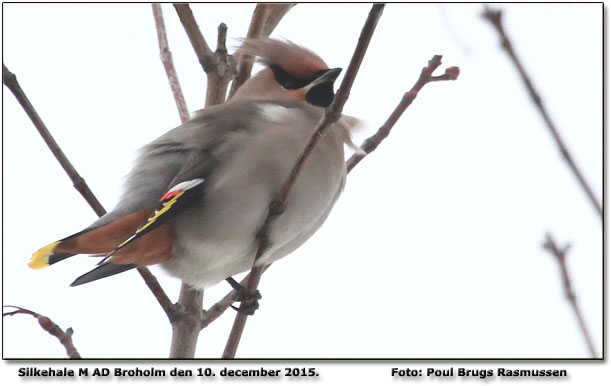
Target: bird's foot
pixel 249 303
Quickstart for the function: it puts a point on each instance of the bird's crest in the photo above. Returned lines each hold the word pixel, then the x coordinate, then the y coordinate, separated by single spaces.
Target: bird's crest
pixel 292 58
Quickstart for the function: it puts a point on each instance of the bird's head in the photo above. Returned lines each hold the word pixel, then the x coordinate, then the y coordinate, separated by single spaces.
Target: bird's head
pixel 292 73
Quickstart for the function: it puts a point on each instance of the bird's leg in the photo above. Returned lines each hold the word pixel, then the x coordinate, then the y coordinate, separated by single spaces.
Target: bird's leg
pixel 249 302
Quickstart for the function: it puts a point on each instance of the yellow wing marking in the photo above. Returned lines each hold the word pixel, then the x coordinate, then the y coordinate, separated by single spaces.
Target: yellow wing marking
pixel 152 219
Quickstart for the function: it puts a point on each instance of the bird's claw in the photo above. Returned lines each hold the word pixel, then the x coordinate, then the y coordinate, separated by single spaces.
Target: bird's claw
pixel 249 301
pixel 247 307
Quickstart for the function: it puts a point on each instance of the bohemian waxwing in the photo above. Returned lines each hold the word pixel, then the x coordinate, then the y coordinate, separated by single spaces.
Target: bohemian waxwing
pixel 198 194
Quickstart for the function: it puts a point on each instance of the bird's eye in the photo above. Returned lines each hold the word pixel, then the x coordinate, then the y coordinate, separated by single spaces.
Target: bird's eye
pixel 288 81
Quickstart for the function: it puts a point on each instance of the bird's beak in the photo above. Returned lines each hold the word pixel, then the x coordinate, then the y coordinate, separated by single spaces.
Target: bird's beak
pixel 328 76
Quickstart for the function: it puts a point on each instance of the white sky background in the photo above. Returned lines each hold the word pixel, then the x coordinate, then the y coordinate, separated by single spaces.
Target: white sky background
pixel 434 249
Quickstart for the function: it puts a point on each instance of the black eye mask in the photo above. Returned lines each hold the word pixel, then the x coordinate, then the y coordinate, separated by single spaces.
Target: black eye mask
pixel 320 95
pixel 290 82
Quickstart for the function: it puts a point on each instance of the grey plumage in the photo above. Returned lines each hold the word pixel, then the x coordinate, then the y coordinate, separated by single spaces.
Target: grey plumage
pixel 245 160
pixel 243 150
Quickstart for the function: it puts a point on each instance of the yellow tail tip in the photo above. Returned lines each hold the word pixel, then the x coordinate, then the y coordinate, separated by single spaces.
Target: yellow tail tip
pixel 40 259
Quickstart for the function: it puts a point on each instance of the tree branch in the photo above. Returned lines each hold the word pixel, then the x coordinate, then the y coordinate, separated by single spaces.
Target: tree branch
pixel 331 116
pixel 201 48
pixel 218 65
pixel 170 309
pixel 10 80
pixel 186 328
pixel 560 255
pixel 495 17
pixel 275 13
pixel 264 20
pixel 426 76
pixel 64 337
pixel 222 71
pixel 166 58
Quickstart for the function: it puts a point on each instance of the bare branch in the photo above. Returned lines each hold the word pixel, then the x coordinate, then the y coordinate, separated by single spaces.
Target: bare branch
pixel 426 76
pixel 64 337
pixel 166 304
pixel 245 62
pixel 202 50
pixel 219 66
pixel 275 13
pixel 10 81
pixel 166 58
pixel 495 17
pixel 222 70
pixel 277 206
pixel 264 20
pixel 186 328
pixel 218 308
pixel 560 255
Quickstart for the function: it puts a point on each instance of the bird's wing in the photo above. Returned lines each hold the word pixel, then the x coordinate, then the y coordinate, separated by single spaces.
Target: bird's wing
pixel 187 188
pixel 172 203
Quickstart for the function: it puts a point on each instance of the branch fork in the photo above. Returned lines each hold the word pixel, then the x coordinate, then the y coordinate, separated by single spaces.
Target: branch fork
pixel 560 255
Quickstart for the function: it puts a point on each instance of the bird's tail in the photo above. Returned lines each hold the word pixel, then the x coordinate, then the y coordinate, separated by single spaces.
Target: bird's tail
pixel 50 254
pixel 101 271
pixel 94 241
pixel 137 239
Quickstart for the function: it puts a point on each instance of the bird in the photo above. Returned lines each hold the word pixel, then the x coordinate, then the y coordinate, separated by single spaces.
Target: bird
pixel 197 195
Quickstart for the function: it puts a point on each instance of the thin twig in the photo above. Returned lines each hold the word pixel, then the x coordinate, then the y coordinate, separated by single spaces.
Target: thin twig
pixel 166 304
pixel 560 255
pixel 275 13
pixel 426 76
pixel 10 80
pixel 201 48
pixel 219 66
pixel 331 116
pixel 264 20
pixel 245 61
pixel 64 337
pixel 166 58
pixel 495 17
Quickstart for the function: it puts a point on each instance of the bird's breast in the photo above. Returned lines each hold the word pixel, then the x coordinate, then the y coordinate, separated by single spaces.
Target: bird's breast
pixel 217 238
